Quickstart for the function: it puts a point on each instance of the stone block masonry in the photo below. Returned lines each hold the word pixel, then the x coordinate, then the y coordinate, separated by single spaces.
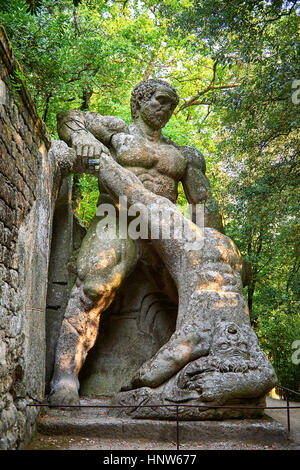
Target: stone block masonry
pixel 28 186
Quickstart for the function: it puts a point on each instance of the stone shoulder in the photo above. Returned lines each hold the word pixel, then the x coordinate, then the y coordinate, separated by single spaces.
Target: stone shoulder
pixel 192 155
pixel 113 124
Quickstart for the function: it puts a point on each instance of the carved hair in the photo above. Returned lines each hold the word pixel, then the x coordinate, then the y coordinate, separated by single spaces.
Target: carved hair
pixel 143 92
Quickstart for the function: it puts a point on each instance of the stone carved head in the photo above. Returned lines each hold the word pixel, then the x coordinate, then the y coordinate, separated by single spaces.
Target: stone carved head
pixel 230 341
pixel 154 101
pixel 233 349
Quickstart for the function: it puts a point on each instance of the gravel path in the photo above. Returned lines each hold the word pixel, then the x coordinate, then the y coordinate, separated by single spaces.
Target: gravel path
pixel 281 417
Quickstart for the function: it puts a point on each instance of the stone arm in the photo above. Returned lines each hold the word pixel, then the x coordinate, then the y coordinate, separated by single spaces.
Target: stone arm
pixel 89 134
pixel 197 188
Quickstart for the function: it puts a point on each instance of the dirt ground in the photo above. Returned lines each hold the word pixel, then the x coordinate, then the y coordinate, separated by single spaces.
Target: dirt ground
pixel 86 443
pixel 281 417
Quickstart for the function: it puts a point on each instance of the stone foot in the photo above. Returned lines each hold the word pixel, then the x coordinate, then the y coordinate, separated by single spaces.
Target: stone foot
pixel 128 386
pixel 64 394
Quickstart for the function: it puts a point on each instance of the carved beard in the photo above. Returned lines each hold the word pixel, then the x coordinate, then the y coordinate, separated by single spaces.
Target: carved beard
pixel 155 120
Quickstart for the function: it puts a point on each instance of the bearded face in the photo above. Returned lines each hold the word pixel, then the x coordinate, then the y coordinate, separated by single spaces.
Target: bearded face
pixel 157 110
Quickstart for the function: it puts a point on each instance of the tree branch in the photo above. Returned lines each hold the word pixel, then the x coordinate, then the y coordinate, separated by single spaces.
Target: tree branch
pixel 75 79
pixel 206 116
pixel 194 100
pixel 271 20
pixel 150 66
pixel 75 19
pixel 45 114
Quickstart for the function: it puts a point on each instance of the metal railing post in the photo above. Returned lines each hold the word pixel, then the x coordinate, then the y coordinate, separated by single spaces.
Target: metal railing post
pixel 288 410
pixel 287 407
pixel 177 429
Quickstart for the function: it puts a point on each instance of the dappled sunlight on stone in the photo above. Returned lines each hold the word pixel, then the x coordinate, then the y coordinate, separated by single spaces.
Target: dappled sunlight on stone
pixel 204 265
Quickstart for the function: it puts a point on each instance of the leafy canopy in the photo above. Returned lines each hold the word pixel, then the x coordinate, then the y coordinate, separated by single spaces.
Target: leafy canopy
pixel 235 65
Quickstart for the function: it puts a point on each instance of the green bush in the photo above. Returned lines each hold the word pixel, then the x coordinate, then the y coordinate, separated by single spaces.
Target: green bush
pixel 85 197
pixel 277 332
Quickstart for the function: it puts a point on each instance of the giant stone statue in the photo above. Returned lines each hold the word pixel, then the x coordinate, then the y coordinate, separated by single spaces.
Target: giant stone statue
pixel 213 356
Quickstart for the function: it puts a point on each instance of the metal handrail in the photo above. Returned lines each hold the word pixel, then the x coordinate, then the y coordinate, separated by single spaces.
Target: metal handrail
pixel 287 407
pixel 287 389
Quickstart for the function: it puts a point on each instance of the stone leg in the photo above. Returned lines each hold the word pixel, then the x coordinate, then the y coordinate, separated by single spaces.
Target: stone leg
pixel 235 372
pixel 210 269
pixel 103 263
pixel 207 274
pixel 78 334
pixel 185 344
pixel 212 291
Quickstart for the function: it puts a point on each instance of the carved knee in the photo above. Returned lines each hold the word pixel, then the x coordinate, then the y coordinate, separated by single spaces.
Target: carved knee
pixel 96 285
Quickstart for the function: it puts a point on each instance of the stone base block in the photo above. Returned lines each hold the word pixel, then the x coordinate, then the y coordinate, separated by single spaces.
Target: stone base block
pixel 96 422
pixel 192 410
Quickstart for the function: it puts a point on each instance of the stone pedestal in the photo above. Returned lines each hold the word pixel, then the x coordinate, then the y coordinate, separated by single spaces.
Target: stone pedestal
pixel 96 422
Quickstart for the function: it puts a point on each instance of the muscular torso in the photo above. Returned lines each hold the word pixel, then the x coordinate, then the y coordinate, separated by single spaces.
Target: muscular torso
pixel 158 165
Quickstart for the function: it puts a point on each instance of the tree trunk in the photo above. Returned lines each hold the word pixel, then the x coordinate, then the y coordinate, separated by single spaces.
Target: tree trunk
pixel 86 97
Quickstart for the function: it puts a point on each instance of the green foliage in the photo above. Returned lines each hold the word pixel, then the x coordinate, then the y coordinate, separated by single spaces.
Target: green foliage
pixel 277 331
pixel 69 54
pixel 85 197
pixel 234 64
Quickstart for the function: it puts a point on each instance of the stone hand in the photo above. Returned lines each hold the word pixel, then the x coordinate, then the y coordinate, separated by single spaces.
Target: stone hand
pixel 88 149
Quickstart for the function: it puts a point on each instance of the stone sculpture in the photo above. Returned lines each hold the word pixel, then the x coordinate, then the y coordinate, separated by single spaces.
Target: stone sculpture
pixel 213 355
pixel 212 335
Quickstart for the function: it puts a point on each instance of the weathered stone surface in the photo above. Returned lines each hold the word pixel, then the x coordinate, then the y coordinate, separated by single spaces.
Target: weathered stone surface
pixel 58 288
pixel 212 356
pixel 213 347
pixel 28 179
pixel 139 322
pixel 97 422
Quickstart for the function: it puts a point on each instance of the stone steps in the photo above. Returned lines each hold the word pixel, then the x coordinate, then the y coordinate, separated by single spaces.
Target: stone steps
pixel 97 422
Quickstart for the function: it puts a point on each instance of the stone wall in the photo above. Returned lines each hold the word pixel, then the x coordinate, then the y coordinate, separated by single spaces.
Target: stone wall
pixel 27 196
pixel 67 234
